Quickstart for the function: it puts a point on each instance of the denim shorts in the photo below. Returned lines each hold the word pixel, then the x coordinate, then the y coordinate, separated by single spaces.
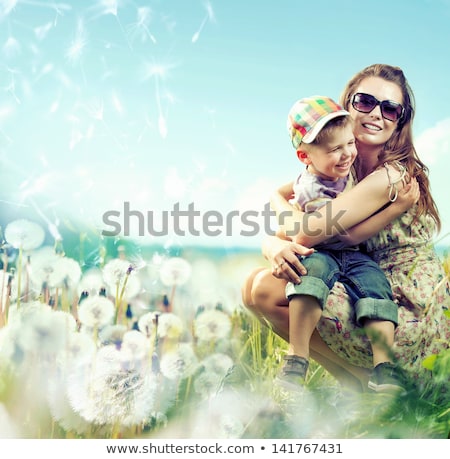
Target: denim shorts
pixel 364 281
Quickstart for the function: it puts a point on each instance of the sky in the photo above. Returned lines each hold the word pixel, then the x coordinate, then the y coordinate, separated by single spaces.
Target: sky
pixel 122 115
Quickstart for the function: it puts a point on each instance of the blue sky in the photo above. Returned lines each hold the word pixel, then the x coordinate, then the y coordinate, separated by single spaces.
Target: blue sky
pixel 183 101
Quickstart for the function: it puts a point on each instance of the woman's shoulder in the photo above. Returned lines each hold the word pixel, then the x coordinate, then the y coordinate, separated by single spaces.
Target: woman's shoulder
pixel 394 170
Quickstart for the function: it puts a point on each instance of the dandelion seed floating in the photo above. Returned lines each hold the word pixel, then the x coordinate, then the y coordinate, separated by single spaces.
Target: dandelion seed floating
pixel 141 27
pixel 209 16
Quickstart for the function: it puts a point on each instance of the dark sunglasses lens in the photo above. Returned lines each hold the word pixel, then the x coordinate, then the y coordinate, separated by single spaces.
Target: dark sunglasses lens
pixel 391 110
pixel 364 102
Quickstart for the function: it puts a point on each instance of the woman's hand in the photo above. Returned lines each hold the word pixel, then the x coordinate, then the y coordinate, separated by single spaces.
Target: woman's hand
pixel 407 196
pixel 283 257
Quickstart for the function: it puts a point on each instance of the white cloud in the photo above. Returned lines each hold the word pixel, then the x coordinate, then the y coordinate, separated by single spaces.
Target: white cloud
pixel 434 143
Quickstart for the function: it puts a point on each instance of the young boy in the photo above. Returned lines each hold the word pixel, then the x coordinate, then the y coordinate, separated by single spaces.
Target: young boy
pixel 322 134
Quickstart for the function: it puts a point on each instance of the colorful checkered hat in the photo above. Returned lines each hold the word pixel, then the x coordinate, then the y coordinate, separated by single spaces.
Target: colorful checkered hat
pixel 309 115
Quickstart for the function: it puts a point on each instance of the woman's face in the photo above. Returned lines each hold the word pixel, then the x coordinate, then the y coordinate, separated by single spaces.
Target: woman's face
pixel 372 129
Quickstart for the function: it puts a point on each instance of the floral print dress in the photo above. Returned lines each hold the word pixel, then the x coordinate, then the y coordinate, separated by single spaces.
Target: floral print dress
pixel 421 289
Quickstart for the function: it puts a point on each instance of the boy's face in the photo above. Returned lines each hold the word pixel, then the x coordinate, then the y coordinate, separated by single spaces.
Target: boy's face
pixel 331 159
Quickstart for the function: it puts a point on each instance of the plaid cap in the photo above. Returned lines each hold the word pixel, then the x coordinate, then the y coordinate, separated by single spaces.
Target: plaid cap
pixel 309 115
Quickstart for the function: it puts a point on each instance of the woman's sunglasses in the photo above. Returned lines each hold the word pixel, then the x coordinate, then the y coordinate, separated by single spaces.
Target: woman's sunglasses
pixel 365 103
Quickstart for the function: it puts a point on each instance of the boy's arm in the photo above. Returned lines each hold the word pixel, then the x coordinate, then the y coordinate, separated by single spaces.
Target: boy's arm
pixel 375 223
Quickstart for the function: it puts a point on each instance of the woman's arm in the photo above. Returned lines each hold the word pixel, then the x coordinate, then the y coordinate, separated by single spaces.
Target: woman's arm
pixel 375 223
pixel 341 213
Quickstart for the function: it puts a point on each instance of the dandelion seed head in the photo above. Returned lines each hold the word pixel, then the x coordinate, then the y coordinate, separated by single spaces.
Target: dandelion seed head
pixel 96 311
pixel 79 350
pixel 25 234
pixel 135 343
pixel 113 334
pixel 218 363
pixel 212 325
pixel 146 323
pixel 69 270
pixel 225 414
pixel 112 394
pixel 41 333
pixel 44 269
pixel 62 411
pixel 180 363
pixel 27 309
pixel 65 321
pixel 207 383
pixel 170 326
pixel 91 282
pixel 115 271
pixel 175 271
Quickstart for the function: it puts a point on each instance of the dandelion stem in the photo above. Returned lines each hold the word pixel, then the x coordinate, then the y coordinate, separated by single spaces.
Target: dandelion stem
pixel 19 276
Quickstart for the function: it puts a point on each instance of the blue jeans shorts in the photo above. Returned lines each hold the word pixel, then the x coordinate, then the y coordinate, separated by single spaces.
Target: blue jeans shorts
pixel 364 281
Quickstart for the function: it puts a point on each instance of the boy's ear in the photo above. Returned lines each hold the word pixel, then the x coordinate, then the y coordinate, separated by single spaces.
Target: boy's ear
pixel 303 157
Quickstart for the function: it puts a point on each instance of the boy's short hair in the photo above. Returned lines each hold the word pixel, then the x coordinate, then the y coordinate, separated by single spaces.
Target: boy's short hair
pixel 308 116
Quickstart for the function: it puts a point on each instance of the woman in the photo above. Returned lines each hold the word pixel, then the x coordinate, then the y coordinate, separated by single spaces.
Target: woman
pixel 381 103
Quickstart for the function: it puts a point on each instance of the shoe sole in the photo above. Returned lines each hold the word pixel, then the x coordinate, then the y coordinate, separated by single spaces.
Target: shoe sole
pixel 387 388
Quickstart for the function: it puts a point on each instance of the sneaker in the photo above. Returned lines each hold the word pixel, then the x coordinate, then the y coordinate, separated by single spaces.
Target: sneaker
pixel 387 378
pixel 293 373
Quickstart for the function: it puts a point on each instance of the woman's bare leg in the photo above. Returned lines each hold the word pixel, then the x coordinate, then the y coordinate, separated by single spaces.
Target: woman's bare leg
pixel 264 295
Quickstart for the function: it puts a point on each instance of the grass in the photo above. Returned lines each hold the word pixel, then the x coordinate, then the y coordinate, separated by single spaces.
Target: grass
pixel 186 376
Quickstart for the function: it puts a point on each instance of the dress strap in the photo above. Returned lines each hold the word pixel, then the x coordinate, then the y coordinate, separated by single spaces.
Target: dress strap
pixel 393 190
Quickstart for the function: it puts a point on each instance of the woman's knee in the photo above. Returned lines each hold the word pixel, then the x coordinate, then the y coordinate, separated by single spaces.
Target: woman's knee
pixel 262 291
pixel 248 288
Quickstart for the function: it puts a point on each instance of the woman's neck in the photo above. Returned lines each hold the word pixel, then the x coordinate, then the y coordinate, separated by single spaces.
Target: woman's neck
pixel 368 159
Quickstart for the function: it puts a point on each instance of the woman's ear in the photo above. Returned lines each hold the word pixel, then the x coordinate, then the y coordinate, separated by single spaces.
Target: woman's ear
pixel 303 157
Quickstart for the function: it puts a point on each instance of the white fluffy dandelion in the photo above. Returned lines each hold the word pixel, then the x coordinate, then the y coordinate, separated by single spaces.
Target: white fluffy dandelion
pixel 91 282
pixel 110 392
pixel 146 323
pixel 175 271
pixel 96 311
pixel 115 271
pixel 78 350
pixel 121 279
pixel 135 344
pixel 180 363
pixel 113 334
pixel 215 367
pixel 24 234
pixel 212 325
pixel 170 326
pixel 218 363
pixel 44 268
pixel 42 333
